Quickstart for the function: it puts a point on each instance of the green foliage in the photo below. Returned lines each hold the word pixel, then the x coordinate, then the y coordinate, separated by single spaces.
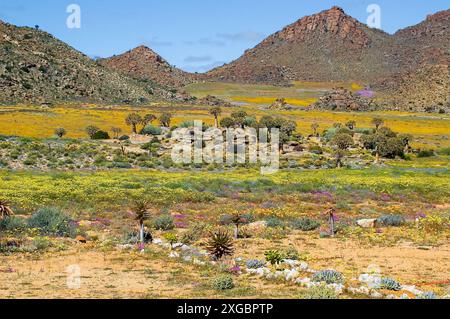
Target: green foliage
pixel 274 257
pixel 151 130
pixel 227 122
pixel 305 224
pixel 342 140
pixel 391 220
pixel 60 132
pixel 273 222
pixel 100 135
pixel 195 232
pixel 291 253
pixel 163 222
pixel 444 151
pixel 319 292
pixel 12 223
pixel 91 130
pixel 425 153
pixel 255 264
pixel 165 119
pixel 172 238
pixel 220 244
pixel 328 276
pixel 390 284
pixel 124 138
pixel 52 222
pixel 223 282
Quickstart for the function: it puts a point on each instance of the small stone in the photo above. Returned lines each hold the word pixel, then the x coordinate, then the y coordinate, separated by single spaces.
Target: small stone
pixel 367 223
pixel 81 239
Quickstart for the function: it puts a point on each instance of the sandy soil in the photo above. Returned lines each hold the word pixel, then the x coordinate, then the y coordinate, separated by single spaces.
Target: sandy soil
pixel 125 274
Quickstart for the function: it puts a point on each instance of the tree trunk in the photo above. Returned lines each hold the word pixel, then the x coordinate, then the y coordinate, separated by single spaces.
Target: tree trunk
pixel 134 129
pixel 331 225
pixel 141 234
pixel 236 231
pixel 216 121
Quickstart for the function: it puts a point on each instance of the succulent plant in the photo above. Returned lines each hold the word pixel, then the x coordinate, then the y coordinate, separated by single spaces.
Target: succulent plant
pixel 223 282
pixel 390 284
pixel 255 264
pixel 5 209
pixel 275 257
pixel 305 224
pixel 328 276
pixel 427 295
pixel 391 220
pixel 220 244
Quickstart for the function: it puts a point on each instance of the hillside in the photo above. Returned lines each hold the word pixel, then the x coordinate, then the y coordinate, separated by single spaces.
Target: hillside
pixel 36 67
pixel 144 64
pixel 329 46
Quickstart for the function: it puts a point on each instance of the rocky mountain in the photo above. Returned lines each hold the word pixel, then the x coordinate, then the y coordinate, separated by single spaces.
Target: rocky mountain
pixel 37 67
pixel 144 64
pixel 329 46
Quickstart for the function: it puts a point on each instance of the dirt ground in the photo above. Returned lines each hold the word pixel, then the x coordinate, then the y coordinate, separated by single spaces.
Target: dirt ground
pixel 130 274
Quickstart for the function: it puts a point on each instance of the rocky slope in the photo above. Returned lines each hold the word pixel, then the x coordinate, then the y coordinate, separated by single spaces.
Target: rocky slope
pixel 36 67
pixel 323 47
pixel 144 64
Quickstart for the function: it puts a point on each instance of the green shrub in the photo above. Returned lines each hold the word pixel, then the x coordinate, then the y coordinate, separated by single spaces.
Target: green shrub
pixel 390 284
pixel 291 253
pixel 163 222
pixel 391 220
pixel 305 224
pixel 319 292
pixel 328 276
pixel 273 222
pixel 53 222
pixel 255 264
pixel 425 153
pixel 223 282
pixel 100 135
pixel 12 223
pixel 444 151
pixel 124 138
pixel 151 130
pixel 274 257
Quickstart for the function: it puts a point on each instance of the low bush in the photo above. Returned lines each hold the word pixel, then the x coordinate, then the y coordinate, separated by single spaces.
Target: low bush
pixel 305 224
pixel 319 292
pixel 13 223
pixel 151 130
pixel 52 222
pixel 255 264
pixel 163 222
pixel 391 220
pixel 274 222
pixel 223 282
pixel 274 257
pixel 444 151
pixel 425 153
pixel 100 135
pixel 328 276
pixel 390 284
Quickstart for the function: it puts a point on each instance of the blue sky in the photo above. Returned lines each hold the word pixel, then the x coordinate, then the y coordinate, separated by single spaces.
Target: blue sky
pixel 194 35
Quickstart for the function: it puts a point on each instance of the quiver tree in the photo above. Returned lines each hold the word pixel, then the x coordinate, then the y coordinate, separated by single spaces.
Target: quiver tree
pixel 133 120
pixel 148 119
pixel 216 111
pixel 141 214
pixel 237 220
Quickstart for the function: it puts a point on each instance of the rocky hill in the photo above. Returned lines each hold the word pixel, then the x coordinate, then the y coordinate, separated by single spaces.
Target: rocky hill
pixel 36 67
pixel 329 46
pixel 144 64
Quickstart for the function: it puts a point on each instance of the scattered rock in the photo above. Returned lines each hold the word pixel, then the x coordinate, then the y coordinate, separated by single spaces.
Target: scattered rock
pixel 81 239
pixel 367 223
